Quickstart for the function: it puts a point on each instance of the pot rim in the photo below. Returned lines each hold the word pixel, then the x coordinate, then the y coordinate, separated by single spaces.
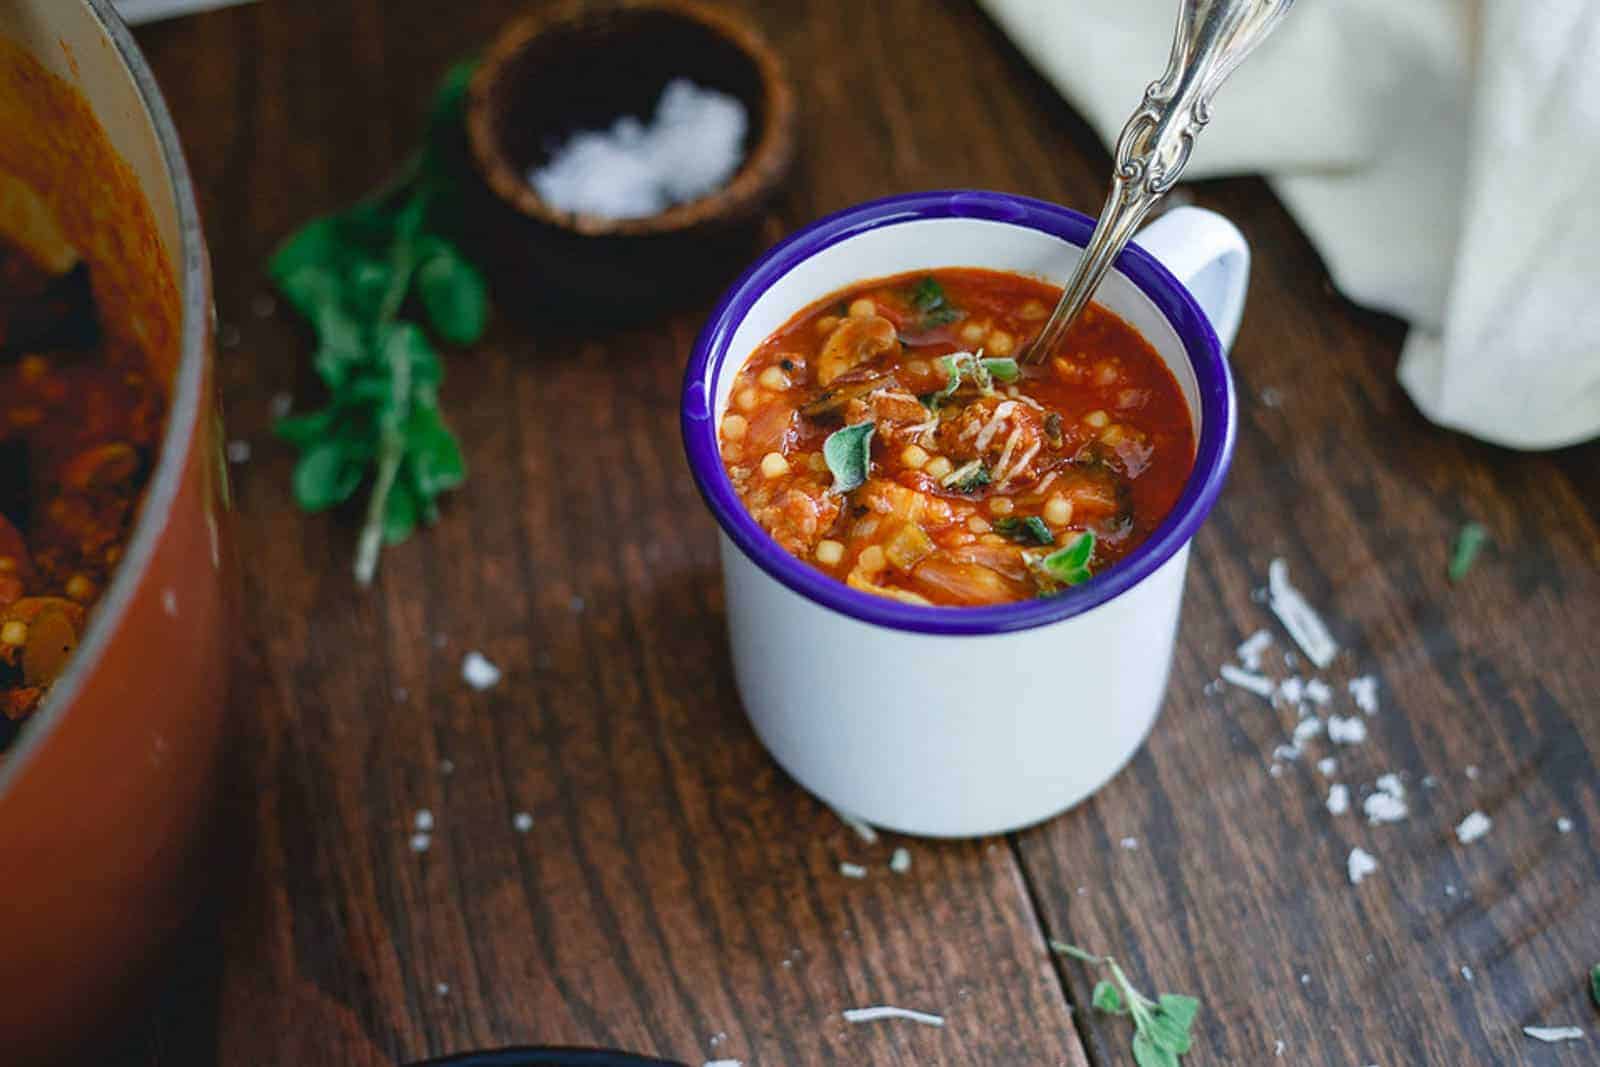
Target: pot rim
pixel 1213 451
pixel 183 414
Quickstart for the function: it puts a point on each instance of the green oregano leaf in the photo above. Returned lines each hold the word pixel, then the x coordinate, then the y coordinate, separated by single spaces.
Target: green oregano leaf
pixel 1070 565
pixel 848 453
pixel 1594 985
pixel 1026 531
pixel 454 293
pixel 1469 541
pixel 353 275
pixel 1146 1053
pixel 1107 999
pixel 968 478
pixel 1001 370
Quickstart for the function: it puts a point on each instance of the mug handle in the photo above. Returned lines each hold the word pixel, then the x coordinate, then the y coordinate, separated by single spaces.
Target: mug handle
pixel 1209 256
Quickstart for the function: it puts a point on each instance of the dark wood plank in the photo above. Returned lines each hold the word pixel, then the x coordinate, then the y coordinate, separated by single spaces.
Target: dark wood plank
pixel 676 894
pixel 1238 891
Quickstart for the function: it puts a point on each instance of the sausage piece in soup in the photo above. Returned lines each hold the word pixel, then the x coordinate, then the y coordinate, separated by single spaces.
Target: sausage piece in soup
pixel 888 435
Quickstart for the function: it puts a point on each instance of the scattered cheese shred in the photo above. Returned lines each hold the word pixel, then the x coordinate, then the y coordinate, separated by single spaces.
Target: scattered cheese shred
pixel 1384 807
pixel 478 672
pixel 1359 865
pixel 1298 617
pixel 1250 650
pixel 1346 731
pixel 852 870
pixel 1552 1034
pixel 1338 798
pixel 900 862
pixel 1327 766
pixel 1364 691
pixel 724 1063
pixel 1259 684
pixel 1319 692
pixel 862 830
pixel 1563 825
pixel 869 1015
pixel 1473 827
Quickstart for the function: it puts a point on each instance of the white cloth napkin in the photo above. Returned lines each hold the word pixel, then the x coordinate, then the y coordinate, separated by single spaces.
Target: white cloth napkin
pixel 1443 155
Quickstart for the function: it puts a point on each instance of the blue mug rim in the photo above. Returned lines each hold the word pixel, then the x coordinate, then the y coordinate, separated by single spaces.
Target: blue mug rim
pixel 1213 451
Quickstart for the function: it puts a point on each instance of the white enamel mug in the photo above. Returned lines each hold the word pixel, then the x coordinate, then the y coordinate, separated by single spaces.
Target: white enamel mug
pixel 946 721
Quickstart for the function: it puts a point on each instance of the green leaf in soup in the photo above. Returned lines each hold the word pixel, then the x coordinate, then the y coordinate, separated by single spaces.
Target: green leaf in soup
pixel 967 479
pixel 1027 531
pixel 1070 565
pixel 848 453
pixel 928 294
pixel 1107 999
pixel 325 477
pixel 454 294
pixel 1001 370
pixel 1146 1053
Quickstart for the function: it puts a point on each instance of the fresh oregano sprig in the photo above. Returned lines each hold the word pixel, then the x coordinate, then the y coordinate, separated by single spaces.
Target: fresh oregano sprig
pixel 1162 1028
pixel 353 275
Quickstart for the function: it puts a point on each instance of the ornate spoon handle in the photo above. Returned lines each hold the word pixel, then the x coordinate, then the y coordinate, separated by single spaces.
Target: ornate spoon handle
pixel 1212 38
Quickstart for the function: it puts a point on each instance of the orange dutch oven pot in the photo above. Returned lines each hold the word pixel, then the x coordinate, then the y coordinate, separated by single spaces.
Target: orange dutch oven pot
pixel 106 794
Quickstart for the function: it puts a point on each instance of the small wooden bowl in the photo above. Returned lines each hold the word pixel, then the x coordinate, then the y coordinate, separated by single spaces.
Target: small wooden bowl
pixel 580 66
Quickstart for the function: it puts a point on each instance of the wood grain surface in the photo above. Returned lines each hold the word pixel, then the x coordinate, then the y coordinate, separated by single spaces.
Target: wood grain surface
pixel 676 893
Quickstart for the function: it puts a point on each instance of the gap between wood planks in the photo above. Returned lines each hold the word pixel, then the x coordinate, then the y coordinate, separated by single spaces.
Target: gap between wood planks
pixel 1081 1024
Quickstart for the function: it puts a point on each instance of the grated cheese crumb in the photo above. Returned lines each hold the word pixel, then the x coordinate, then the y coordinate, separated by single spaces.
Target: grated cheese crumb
pixel 1364 691
pixel 1278 1047
pixel 867 1015
pixel 478 672
pixel 1292 689
pixel 1384 807
pixel 522 822
pixel 1466 972
pixel 900 862
pixel 1298 617
pixel 852 870
pixel 1250 650
pixel 1359 865
pixel 1472 772
pixel 1346 731
pixel 1391 784
pixel 1327 766
pixel 1552 1034
pixel 1338 798
pixel 423 820
pixel 1318 691
pixel 280 405
pixel 1473 827
pixel 442 988
pixel 420 842
pixel 1306 729
pixel 238 452
pixel 1563 825
pixel 1259 684
pixel 1130 843
pixel 724 1063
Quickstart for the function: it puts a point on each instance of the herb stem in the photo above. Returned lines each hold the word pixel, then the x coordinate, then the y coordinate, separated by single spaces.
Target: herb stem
pixel 391 441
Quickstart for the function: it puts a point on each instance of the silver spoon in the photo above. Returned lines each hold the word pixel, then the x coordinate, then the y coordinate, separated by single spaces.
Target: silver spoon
pixel 1212 38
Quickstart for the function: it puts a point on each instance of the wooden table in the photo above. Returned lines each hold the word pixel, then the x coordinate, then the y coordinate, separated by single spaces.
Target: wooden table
pixel 676 893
